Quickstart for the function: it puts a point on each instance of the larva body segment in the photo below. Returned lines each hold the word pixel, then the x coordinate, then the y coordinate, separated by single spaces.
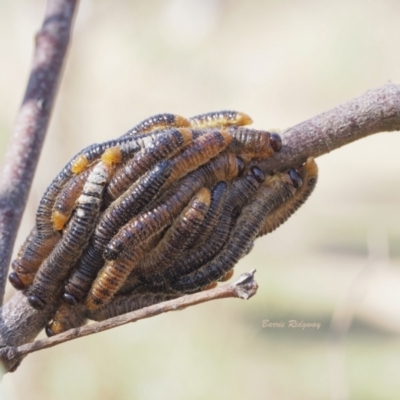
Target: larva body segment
pixel 151 268
pixel 124 304
pixel 200 151
pixel 171 203
pixel 219 119
pixel 251 143
pixel 218 196
pixel 309 175
pixel 158 122
pixel 114 273
pixel 239 193
pixel 65 202
pixel 129 204
pixel 76 234
pixel 166 146
pixel 65 318
pixel 44 220
pixel 30 257
pixel 278 189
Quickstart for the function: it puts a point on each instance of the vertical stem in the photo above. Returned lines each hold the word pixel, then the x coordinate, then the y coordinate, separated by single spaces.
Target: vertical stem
pixel 23 153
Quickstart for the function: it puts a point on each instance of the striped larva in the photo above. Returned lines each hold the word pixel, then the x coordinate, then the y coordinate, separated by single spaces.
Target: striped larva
pixel 30 257
pixel 129 204
pixel 277 190
pixel 239 194
pixel 251 143
pixel 200 151
pixel 166 146
pixel 219 119
pixel 76 235
pixel 170 204
pixel 114 273
pixel 65 202
pixel 218 197
pixel 158 122
pixel 151 268
pixel 309 176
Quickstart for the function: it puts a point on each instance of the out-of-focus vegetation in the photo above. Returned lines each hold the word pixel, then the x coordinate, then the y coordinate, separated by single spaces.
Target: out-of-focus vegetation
pixel 339 256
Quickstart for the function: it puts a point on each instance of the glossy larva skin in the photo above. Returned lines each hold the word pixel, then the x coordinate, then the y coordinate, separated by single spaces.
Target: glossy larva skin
pixel 124 225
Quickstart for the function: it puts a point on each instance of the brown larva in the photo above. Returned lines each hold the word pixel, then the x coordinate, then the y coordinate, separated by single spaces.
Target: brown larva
pixel 128 205
pixel 170 205
pixel 151 268
pixel 166 146
pixel 112 276
pixel 251 143
pixel 30 257
pixel 309 176
pixel 76 235
pixel 200 151
pixel 277 190
pixel 239 193
pixel 65 202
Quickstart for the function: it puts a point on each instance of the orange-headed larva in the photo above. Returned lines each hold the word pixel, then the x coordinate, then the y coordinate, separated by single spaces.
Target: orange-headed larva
pixel 170 204
pixel 200 151
pixel 65 202
pixel 76 235
pixel 129 204
pixel 158 122
pixel 114 273
pixel 278 189
pixel 151 268
pixel 219 119
pixel 309 176
pixel 166 146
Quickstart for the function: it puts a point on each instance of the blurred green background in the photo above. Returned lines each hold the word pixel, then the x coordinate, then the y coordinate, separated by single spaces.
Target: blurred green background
pixel 335 263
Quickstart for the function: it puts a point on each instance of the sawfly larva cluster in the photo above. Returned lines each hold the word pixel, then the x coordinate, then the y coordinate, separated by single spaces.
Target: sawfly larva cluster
pixel 166 209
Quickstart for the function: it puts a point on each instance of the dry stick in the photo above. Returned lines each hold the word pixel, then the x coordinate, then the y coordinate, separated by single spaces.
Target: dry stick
pixel 31 125
pixel 375 111
pixel 244 288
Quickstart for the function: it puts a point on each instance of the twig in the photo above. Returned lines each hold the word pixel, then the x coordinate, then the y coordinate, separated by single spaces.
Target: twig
pixel 375 111
pixel 31 124
pixel 243 288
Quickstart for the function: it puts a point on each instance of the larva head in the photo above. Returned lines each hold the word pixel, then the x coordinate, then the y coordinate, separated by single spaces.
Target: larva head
pixel 79 164
pixel 16 281
pixel 181 122
pixel 242 119
pixel 36 302
pixel 310 169
pixel 276 142
pixel 258 174
pixel 112 156
pixel 59 220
